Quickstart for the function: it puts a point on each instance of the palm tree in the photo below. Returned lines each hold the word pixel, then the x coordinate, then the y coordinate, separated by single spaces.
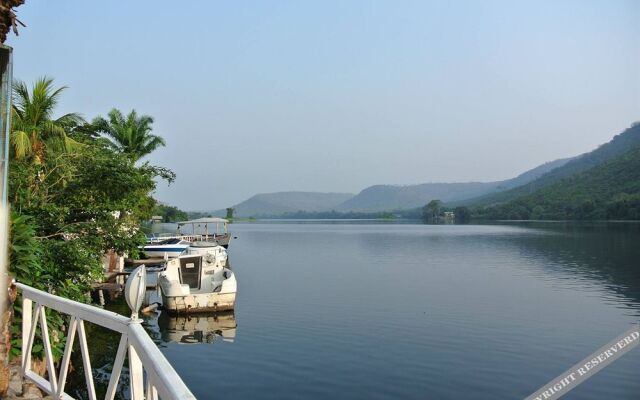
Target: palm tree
pixel 130 135
pixel 34 130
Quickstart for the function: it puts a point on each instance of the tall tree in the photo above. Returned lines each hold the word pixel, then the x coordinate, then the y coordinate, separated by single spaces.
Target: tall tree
pixel 131 135
pixel 431 211
pixel 35 132
pixel 8 18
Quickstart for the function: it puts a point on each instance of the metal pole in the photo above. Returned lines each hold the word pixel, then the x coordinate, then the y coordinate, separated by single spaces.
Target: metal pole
pixel 6 73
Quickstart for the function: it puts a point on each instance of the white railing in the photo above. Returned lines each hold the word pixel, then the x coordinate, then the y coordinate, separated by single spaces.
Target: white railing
pixel 150 374
pixel 195 237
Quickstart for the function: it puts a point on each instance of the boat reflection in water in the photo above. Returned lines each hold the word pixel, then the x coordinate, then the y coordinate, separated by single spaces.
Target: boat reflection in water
pixel 197 328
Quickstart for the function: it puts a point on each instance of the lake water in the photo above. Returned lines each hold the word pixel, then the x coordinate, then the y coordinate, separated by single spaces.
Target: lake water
pixel 365 311
pixel 376 311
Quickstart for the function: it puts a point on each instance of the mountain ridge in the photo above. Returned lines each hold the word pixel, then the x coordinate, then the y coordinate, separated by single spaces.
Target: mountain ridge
pixel 396 197
pixel 378 198
pixel 618 145
pixel 609 190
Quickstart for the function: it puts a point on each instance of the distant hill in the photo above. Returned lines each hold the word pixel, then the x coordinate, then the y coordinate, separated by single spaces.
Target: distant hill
pixel 620 144
pixel 609 190
pixel 385 198
pixel 395 197
pixel 273 204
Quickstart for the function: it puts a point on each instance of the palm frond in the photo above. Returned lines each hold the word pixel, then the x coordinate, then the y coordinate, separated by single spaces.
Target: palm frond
pixel 21 94
pixel 21 144
pixel 131 134
pixel 70 120
pixel 73 145
pixel 55 145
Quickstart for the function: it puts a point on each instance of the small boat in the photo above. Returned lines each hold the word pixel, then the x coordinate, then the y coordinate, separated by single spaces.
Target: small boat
pixel 169 248
pixel 210 229
pixel 198 281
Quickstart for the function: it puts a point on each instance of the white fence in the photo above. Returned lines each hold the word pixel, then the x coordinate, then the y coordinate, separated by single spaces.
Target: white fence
pixel 150 374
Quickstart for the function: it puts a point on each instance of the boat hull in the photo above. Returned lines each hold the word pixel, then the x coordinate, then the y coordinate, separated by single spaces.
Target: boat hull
pixel 202 302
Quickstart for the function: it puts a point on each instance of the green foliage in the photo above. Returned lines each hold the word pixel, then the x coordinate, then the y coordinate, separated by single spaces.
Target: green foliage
pixel 170 213
pixel 74 197
pixel 198 214
pixel 462 215
pixel 34 130
pixel 130 135
pixel 610 190
pixel 431 211
pixel 624 206
pixel 25 250
pixel 229 213
pixel 26 264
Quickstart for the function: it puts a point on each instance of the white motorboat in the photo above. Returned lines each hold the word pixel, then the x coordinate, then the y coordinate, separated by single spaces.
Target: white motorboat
pixel 198 281
pixel 169 248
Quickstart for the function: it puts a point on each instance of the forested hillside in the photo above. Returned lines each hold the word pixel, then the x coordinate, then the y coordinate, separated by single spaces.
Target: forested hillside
pixel 610 190
pixel 620 144
pixel 381 198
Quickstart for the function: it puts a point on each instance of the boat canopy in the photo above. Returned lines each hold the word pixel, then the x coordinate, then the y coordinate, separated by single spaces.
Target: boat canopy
pixel 209 220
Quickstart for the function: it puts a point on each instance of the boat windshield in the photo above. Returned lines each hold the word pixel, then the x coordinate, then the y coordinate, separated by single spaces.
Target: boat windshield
pixel 171 241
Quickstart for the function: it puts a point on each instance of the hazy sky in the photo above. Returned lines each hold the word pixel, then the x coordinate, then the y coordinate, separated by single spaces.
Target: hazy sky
pixel 270 96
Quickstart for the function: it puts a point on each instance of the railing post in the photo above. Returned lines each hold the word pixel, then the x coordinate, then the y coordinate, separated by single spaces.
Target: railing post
pixel 136 375
pixel 27 321
pixel 134 294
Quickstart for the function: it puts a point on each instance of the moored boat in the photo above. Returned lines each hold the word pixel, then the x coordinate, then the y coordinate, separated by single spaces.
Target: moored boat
pixel 209 229
pixel 169 248
pixel 198 281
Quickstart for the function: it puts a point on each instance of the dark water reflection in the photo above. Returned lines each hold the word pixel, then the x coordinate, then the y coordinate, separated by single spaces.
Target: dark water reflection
pixel 414 311
pixel 192 329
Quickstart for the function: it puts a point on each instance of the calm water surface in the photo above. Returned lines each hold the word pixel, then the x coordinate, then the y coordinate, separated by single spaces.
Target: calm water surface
pixel 373 311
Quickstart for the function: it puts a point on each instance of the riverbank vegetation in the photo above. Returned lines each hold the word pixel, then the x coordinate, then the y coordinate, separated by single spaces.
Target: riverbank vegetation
pixel 77 190
pixel 170 213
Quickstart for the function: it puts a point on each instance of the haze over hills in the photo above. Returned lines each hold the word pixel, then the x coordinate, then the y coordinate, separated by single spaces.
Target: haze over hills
pixel 387 198
pixel 378 197
pixel 273 204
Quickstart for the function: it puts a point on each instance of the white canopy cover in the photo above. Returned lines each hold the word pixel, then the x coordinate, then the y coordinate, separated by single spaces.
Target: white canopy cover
pixel 206 220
